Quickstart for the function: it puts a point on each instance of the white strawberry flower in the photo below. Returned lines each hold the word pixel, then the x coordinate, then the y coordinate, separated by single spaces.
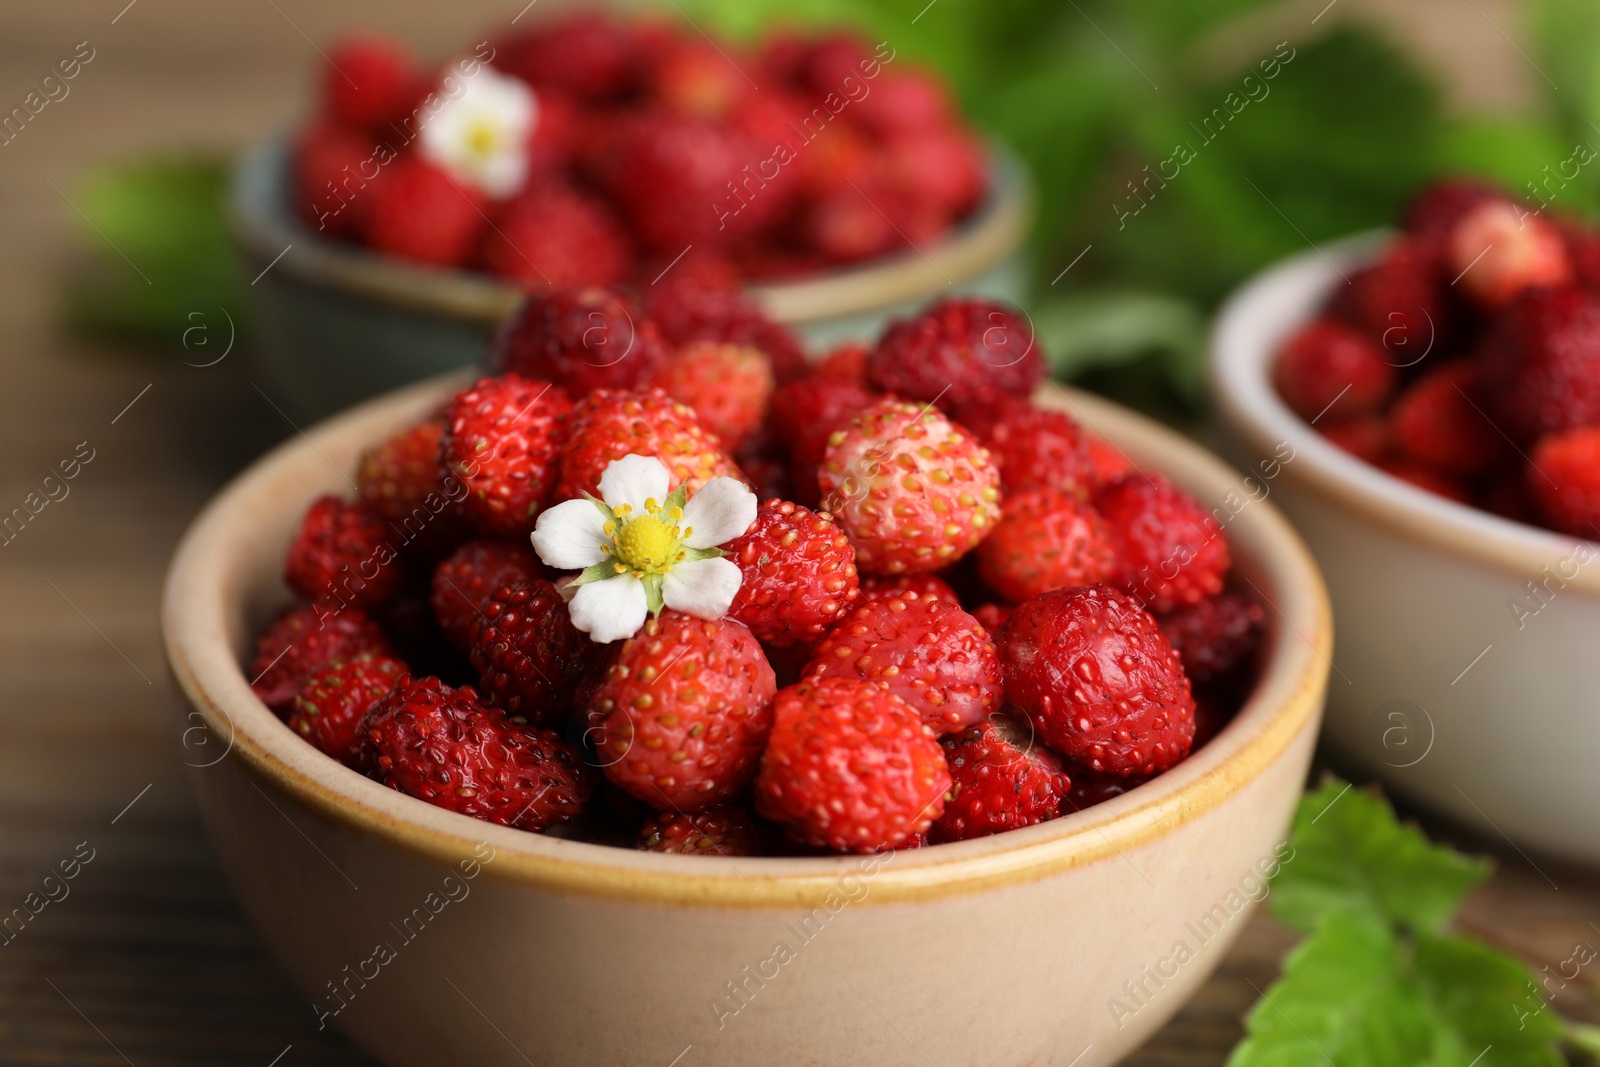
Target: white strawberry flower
pixel 481 135
pixel 641 548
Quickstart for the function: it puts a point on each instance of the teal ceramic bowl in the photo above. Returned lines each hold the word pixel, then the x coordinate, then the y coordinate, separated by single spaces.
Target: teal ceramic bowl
pixel 339 324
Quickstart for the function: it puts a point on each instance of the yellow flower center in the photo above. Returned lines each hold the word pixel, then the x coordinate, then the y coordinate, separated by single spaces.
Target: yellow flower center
pixel 483 138
pixel 649 543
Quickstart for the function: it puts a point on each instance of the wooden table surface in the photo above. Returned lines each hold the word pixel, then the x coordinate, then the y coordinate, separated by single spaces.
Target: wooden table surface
pixel 146 960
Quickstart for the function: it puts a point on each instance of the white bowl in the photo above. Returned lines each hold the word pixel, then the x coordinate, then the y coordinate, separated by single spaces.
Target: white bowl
pixel 1441 688
pixel 1054 944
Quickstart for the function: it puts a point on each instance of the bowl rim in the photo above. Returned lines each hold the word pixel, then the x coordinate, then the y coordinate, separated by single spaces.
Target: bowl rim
pixel 1241 353
pixel 202 623
pixel 265 227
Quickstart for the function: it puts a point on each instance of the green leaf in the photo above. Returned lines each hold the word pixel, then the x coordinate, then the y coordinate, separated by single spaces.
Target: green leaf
pixel 1353 994
pixel 1566 40
pixel 1352 857
pixel 605 569
pixel 677 498
pixel 652 593
pixel 1117 327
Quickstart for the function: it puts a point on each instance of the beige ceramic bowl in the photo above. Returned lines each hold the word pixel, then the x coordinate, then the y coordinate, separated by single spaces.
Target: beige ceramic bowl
pixel 1065 943
pixel 1456 683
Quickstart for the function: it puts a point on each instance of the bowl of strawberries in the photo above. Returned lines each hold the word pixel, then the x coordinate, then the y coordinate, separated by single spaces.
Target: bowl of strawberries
pixel 1432 395
pixel 861 692
pixel 829 177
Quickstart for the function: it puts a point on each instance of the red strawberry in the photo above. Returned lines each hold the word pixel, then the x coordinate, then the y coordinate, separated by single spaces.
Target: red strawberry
pixel 846 363
pixel 419 213
pixel 1329 368
pixel 1433 213
pixel 799 575
pixel 1001 780
pixel 1169 551
pixel 850 767
pixel 1107 461
pixel 368 80
pixel 1101 685
pixel 851 223
pixel 683 712
pixel 941 170
pixel 469 578
pixel 1215 635
pixel 992 616
pixel 581 339
pixel 403 481
pixel 927 586
pixel 331 704
pixel 333 174
pixel 930 654
pixel 304 640
pixel 1399 302
pixel 1583 250
pixel 694 77
pixel 958 353
pixel 804 414
pixel 609 425
pixel 914 491
pixel 343 553
pixel 693 271
pixel 446 747
pixel 528 655
pixel 1365 438
pixel 1440 421
pixel 1037 449
pixel 551 235
pixel 905 101
pixel 1498 250
pixel 590 55
pixel 1563 479
pixel 696 313
pixel 502 439
pixel 726 386
pixel 724 831
pixel 1045 540
pixel 1541 363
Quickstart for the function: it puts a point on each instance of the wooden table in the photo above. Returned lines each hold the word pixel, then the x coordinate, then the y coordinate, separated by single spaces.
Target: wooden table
pixel 146 960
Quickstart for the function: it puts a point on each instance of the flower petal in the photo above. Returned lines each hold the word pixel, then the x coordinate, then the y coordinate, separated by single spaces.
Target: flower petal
pixel 704 588
pixel 609 610
pixel 571 536
pixel 633 480
pixel 723 509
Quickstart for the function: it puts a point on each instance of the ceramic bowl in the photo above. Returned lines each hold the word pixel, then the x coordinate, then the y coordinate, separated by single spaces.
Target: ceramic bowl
pixel 339 324
pixel 1456 682
pixel 428 937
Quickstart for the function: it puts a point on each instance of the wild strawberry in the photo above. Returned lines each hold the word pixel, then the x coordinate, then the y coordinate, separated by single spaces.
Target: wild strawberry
pixel 331 704
pixel 551 235
pixel 343 553
pixel 803 415
pixel 329 190
pixel 906 101
pixel 1541 363
pixel 1563 479
pixel 799 574
pixel 850 767
pixel 469 578
pixel 1168 550
pixel 607 426
pixel 992 616
pixel 1367 438
pixel 403 481
pixel 1499 249
pixel 1440 421
pixel 941 170
pixel 528 655
pixel 1106 461
pixel 914 491
pixel 847 363
pixel 726 386
pixel 958 353
pixel 302 641
pixel 694 77
pixel 1434 212
pixel 924 585
pixel 1001 780
pixel 930 654
pixel 852 223
pixel 367 80
pixel 1037 449
pixel 1583 251
pixel 1101 685
pixel 687 314
pixel 419 213
pixel 724 831
pixel 1399 302
pixel 1331 368
pixel 1215 635
pixel 580 339
pixel 591 55
pixel 683 712
pixel 446 747
pixel 502 440
pixel 1045 540
pixel 1427 478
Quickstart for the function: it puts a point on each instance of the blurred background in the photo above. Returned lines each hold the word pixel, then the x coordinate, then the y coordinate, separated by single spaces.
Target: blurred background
pixel 115 253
